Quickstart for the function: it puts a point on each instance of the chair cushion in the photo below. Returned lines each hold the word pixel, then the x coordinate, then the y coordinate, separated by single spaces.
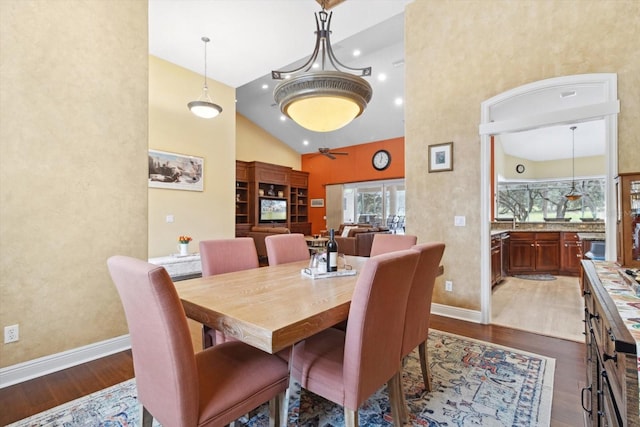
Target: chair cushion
pixel 228 375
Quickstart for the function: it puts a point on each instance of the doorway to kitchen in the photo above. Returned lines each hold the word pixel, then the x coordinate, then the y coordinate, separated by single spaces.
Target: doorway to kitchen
pixel 553 102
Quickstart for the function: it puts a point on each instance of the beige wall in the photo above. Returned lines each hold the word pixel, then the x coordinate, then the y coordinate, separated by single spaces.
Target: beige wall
pixel 460 53
pixel 551 169
pixel 254 143
pixel 73 144
pixel 204 214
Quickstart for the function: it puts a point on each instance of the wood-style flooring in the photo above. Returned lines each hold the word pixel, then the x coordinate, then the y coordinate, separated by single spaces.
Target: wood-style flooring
pixel 30 397
pixel 554 308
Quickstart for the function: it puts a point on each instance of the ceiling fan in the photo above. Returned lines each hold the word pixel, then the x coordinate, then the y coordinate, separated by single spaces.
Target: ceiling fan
pixel 330 154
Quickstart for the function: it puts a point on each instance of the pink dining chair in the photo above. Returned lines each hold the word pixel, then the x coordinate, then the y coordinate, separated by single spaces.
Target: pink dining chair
pixel 416 324
pixel 286 248
pixel 347 367
pixel 224 256
pixel 176 386
pixel 384 243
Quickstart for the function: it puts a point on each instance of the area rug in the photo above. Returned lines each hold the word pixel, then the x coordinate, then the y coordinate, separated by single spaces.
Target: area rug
pixel 539 277
pixel 475 383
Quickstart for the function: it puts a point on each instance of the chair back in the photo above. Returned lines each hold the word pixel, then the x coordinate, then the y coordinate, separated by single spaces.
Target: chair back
pixel 163 358
pixel 416 324
pixel 286 248
pixel 384 243
pixel 374 329
pixel 226 255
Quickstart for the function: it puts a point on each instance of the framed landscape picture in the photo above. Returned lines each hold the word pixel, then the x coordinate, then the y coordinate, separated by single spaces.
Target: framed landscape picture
pixel 175 171
pixel 441 157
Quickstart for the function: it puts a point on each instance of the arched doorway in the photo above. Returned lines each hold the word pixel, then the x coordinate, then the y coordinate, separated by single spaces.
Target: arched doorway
pixel 561 100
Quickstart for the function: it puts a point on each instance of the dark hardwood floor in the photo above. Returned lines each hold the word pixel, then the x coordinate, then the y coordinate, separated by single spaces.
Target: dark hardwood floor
pixel 30 397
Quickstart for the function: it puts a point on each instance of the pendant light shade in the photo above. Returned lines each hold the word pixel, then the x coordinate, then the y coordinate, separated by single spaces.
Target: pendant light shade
pixel 573 194
pixel 323 100
pixel 204 107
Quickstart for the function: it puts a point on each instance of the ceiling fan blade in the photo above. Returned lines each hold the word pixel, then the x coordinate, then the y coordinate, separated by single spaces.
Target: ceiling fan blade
pixel 340 154
pixel 330 155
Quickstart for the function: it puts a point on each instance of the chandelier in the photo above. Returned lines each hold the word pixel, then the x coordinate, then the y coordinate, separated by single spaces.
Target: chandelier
pixel 573 194
pixel 204 107
pixel 322 100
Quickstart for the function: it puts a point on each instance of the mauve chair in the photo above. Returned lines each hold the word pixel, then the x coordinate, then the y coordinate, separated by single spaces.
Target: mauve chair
pixel 416 324
pixel 384 243
pixel 224 256
pixel 286 248
pixel 175 386
pixel 347 367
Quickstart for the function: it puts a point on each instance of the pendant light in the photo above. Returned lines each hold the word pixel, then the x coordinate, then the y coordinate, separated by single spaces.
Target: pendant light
pixel 322 100
pixel 204 107
pixel 573 194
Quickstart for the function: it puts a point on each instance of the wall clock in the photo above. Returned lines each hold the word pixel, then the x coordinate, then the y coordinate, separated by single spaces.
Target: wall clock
pixel 519 168
pixel 381 160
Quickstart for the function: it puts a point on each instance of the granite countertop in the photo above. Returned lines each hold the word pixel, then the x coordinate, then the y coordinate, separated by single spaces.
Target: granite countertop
pixel 591 236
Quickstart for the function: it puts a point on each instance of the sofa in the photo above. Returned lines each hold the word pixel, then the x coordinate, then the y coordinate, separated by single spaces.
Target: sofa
pixel 259 233
pixel 356 239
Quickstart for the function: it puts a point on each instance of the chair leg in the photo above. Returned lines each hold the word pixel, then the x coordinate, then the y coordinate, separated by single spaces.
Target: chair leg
pixel 424 365
pixel 394 388
pixel 350 417
pixel 275 411
pixel 146 419
pixel 404 408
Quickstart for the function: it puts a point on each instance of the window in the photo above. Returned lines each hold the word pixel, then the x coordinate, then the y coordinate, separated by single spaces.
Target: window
pixel 531 201
pixel 380 203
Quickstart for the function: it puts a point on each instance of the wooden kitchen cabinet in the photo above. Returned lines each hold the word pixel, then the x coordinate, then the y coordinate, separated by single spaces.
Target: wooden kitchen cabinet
pixel 496 260
pixel 628 219
pixel 570 254
pixel 531 252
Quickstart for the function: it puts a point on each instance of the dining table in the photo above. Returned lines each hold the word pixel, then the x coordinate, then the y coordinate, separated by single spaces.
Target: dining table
pixel 273 307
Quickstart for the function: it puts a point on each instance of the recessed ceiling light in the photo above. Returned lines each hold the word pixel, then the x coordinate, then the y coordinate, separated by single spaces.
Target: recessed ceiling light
pixel 356 52
pixel 315 65
pixel 382 77
pixel 283 118
pixel 398 101
pixel 305 142
pixel 568 94
pixel 265 86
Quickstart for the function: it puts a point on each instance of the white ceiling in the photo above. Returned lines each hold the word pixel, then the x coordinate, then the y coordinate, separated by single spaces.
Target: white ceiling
pixel 249 38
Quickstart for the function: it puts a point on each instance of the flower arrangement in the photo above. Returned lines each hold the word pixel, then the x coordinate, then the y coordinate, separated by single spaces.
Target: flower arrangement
pixel 184 239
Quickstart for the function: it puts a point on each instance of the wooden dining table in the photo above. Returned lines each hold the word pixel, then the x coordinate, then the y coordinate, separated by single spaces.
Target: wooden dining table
pixel 272 307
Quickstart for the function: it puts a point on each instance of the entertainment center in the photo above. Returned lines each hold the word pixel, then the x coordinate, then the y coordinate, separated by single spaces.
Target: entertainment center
pixel 271 195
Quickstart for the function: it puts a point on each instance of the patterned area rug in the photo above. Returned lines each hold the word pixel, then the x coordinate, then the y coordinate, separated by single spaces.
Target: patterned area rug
pixel 475 383
pixel 540 277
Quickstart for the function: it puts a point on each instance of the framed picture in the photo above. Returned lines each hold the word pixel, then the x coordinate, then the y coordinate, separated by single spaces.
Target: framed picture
pixel 175 171
pixel 441 157
pixel 317 203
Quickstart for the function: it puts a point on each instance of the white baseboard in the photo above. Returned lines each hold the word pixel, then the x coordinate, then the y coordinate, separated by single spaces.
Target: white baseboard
pixel 15 374
pixel 456 312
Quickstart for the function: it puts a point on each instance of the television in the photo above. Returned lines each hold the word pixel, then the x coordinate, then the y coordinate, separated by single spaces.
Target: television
pixel 273 210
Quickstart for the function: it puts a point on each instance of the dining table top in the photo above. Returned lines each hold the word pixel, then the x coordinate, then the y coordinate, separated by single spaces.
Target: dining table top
pixel 271 307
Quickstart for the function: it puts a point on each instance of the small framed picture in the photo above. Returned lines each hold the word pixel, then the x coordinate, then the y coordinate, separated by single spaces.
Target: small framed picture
pixel 441 157
pixel 317 203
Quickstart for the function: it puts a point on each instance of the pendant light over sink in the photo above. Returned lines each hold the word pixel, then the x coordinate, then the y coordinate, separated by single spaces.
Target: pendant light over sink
pixel 204 107
pixel 573 194
pixel 322 100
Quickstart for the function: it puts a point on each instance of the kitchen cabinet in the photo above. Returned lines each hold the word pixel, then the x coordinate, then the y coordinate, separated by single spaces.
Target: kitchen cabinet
pixel 610 397
pixel 628 219
pixel 570 254
pixel 496 260
pixel 534 252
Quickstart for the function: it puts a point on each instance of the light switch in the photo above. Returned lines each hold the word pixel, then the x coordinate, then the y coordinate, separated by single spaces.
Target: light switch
pixel 169 219
pixel 459 221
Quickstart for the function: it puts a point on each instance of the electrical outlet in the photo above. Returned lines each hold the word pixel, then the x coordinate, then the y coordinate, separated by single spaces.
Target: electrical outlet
pixel 448 286
pixel 11 333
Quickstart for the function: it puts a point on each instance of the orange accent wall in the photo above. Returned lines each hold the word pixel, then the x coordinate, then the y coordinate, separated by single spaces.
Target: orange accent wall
pixel 354 167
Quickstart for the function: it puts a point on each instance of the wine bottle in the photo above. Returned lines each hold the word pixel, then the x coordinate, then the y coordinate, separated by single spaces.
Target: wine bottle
pixel 332 252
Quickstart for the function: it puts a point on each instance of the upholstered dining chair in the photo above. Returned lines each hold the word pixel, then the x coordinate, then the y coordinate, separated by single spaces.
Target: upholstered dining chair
pixel 347 367
pixel 285 248
pixel 384 243
pixel 224 256
pixel 176 386
pixel 416 324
